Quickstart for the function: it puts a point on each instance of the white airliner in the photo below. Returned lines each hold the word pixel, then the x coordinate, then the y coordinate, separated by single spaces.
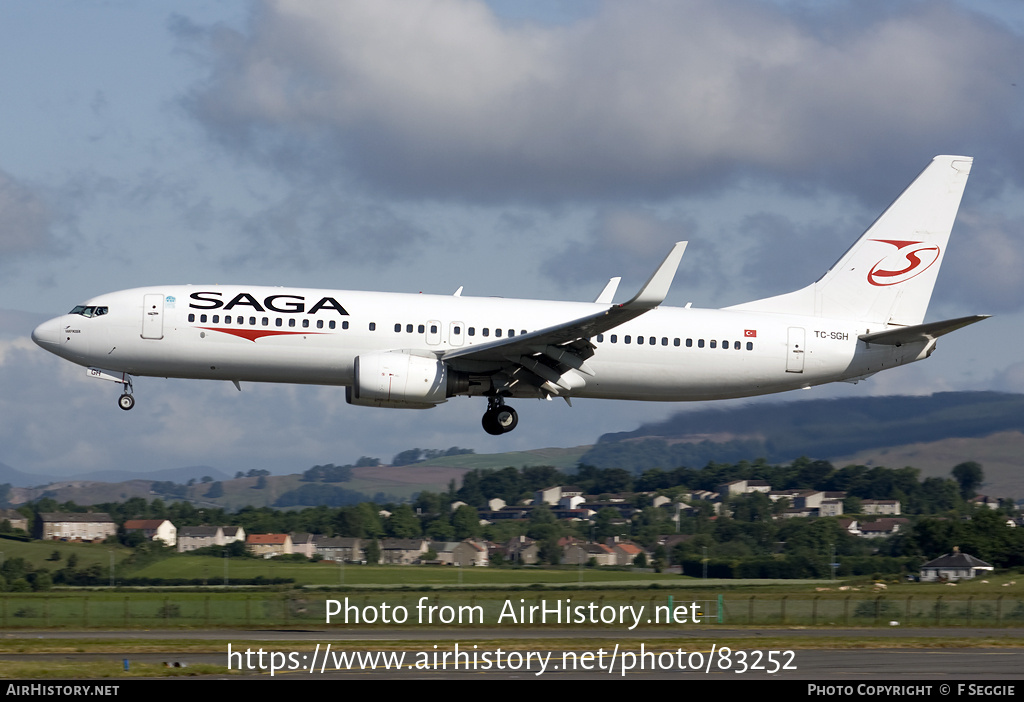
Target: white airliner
pixel 415 351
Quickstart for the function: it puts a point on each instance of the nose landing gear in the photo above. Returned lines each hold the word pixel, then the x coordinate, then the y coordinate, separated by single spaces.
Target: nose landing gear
pixel 127 400
pixel 499 417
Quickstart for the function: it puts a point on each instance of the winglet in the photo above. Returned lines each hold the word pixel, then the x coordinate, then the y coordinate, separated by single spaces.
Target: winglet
pixel 605 298
pixel 654 291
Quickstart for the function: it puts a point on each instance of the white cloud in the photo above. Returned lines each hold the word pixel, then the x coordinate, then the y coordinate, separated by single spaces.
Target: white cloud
pixel 439 99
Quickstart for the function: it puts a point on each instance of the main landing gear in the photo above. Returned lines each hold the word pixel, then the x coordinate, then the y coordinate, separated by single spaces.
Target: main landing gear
pixel 499 417
pixel 127 400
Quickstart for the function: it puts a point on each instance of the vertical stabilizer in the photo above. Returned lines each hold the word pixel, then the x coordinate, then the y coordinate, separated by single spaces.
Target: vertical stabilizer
pixel 888 275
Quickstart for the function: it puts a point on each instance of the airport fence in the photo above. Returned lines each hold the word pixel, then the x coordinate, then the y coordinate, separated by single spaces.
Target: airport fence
pixel 128 610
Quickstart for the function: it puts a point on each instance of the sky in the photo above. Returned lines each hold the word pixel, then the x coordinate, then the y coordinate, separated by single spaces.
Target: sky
pixel 520 149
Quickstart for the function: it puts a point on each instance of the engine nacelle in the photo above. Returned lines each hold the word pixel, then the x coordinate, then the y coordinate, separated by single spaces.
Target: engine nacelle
pixel 399 380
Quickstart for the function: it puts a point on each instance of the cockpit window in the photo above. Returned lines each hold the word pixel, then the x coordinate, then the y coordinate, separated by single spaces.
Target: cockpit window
pixel 91 311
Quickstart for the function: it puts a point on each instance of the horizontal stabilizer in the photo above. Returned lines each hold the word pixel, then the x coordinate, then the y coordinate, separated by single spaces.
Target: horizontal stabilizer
pixel 920 332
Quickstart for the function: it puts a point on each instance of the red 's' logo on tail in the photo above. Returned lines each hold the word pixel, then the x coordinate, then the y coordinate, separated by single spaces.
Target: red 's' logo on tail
pixel 910 259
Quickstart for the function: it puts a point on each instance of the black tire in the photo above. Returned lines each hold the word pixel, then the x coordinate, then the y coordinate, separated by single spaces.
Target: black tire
pixel 490 423
pixel 126 402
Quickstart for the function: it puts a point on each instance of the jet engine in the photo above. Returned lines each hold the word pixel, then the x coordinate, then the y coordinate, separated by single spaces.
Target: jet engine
pixel 401 380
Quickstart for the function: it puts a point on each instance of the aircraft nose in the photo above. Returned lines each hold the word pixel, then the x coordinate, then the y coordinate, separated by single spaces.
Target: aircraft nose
pixel 47 334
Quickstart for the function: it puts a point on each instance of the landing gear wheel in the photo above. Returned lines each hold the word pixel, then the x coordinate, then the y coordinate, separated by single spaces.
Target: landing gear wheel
pixel 126 402
pixel 499 418
pixel 506 418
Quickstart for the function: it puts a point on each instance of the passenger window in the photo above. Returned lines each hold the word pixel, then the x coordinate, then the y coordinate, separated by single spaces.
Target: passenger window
pixel 331 324
pixel 278 322
pixel 626 339
pixel 319 324
pixel 373 326
pixel 457 330
pixel 700 343
pixel 191 318
pixel 305 324
pixel 252 321
pixel 713 344
pixel 497 332
pixel 600 338
pixel 202 318
pixel 291 321
pixel 266 321
pixel 344 325
pixel 398 328
pixel 639 340
pixel 615 338
pixel 216 319
pixel 421 329
pixel 725 344
pixel 750 346
pixel 408 329
pixel 652 341
pixel 486 331
pixel 471 331
pixel 736 346
pixel 689 343
pixel 511 332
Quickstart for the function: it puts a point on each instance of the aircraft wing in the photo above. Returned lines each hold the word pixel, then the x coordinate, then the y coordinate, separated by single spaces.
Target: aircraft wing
pixel 920 332
pixel 544 358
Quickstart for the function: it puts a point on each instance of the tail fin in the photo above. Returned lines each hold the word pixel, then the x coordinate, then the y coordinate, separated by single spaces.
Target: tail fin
pixel 887 276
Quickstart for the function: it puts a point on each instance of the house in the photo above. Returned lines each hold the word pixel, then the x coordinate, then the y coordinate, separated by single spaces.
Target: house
pixel 269 545
pixel 303 543
pixel 984 501
pixel 232 534
pixel 550 495
pixel 954 566
pixel 880 507
pixel 344 549
pixel 522 549
pixel 460 553
pixel 581 553
pixel 850 526
pixel 16 518
pixel 402 551
pixel 154 530
pixel 75 526
pixel 744 487
pixel 880 528
pixel 626 553
pixel 191 538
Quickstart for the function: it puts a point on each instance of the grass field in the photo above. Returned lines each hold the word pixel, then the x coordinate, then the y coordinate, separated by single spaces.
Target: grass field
pixel 213 570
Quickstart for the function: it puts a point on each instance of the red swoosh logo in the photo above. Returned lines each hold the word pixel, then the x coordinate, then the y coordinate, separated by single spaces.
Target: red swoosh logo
pixel 253 334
